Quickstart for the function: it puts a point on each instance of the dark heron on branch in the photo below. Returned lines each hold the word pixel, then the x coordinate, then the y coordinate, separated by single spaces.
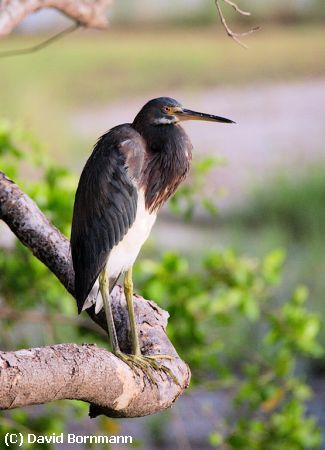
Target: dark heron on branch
pixel 133 170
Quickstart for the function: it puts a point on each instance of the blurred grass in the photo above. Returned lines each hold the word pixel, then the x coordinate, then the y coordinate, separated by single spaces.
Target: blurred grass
pixel 90 69
pixel 296 205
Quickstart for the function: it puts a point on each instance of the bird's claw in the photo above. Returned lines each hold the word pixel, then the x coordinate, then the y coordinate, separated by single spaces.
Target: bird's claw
pixel 147 362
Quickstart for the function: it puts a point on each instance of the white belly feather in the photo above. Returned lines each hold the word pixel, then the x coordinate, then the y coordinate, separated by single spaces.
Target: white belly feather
pixel 124 254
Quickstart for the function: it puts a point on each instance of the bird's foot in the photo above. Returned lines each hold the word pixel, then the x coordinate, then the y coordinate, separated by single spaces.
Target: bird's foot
pixel 147 364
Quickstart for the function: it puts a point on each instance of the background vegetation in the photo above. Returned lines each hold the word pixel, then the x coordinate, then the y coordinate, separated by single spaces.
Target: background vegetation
pixel 133 63
pixel 240 310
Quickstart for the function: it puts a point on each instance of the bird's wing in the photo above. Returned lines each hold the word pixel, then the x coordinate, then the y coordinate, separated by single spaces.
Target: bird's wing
pixel 105 204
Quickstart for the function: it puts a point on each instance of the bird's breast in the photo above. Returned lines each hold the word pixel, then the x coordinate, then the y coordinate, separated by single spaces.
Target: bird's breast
pixel 124 254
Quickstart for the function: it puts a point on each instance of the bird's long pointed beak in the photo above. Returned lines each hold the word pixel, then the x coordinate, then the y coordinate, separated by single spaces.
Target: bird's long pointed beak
pixel 187 114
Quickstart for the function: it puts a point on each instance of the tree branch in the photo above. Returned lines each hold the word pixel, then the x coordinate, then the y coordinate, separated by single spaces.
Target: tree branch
pixel 41 45
pixel 88 13
pixel 232 34
pixel 83 372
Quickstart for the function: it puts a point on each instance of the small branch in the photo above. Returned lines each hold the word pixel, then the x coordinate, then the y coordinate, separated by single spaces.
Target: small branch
pixel 83 372
pixel 88 13
pixel 41 45
pixel 237 9
pixel 232 34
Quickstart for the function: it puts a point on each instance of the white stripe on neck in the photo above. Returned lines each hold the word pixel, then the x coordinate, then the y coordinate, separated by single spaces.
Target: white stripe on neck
pixel 165 120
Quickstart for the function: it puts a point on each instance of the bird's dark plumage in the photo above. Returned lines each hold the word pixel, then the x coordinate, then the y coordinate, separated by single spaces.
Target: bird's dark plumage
pixel 167 163
pixel 104 211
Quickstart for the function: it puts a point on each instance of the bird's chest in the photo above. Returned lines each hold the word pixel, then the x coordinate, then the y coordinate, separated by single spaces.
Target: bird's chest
pixel 124 254
pixel 163 173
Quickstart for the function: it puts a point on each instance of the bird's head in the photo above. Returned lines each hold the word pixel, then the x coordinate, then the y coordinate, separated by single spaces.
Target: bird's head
pixel 167 111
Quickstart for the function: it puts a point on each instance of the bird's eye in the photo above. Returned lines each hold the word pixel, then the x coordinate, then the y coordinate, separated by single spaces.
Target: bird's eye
pixel 167 109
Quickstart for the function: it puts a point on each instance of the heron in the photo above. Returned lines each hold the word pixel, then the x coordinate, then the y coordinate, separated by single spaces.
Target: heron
pixel 133 170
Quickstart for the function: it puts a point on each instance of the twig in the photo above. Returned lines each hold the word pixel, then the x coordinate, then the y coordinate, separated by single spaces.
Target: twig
pixel 237 9
pixel 230 33
pixel 43 44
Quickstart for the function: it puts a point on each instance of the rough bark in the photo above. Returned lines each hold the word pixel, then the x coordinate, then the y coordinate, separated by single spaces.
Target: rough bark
pixel 89 13
pixel 83 372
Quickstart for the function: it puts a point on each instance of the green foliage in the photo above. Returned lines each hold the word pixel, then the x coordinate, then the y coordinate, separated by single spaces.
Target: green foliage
pixel 270 399
pixel 216 304
pixel 53 190
pixel 204 298
pixel 269 410
pixel 290 210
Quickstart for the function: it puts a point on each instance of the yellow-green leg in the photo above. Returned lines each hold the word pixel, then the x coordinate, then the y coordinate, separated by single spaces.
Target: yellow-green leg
pixel 141 361
pixel 104 290
pixel 128 292
pixel 135 360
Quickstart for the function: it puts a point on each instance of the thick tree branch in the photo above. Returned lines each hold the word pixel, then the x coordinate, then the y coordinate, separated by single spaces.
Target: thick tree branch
pixel 88 13
pixel 83 372
pixel 93 374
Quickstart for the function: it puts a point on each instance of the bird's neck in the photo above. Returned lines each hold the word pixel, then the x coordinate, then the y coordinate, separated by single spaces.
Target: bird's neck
pixel 169 153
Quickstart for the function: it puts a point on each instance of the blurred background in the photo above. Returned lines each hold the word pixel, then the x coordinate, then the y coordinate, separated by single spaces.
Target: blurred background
pixel 237 258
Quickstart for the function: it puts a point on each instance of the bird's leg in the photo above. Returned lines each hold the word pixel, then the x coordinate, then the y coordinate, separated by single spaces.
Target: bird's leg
pixel 128 292
pixel 104 290
pixel 135 360
pixel 144 362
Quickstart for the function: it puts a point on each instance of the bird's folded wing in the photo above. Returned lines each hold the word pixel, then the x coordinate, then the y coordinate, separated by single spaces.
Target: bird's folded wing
pixel 105 204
